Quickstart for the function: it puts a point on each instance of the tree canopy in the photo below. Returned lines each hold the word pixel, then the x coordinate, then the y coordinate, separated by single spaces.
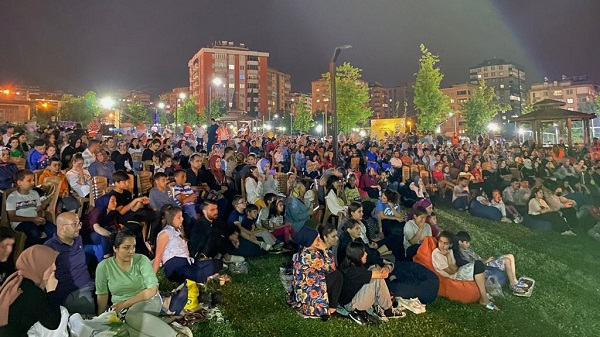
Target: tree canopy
pixel 480 109
pixel 303 121
pixel 429 100
pixel 80 109
pixel 138 112
pixel 352 96
pixel 186 112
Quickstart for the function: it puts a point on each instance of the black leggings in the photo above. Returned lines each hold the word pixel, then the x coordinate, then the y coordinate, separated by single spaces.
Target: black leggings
pixel 558 222
pixel 334 281
pixel 478 268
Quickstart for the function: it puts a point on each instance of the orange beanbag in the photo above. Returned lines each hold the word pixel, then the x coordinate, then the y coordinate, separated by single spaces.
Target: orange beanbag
pixel 456 290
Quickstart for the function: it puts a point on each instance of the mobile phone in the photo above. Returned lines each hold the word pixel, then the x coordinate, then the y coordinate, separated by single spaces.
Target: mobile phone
pixel 272 171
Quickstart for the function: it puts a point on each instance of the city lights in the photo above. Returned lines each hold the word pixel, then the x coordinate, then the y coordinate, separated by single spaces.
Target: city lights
pixel 493 127
pixel 319 128
pixel 107 102
pixel 161 105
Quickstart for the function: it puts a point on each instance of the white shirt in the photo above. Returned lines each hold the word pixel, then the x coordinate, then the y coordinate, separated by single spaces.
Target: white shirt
pixel 81 189
pixel 24 204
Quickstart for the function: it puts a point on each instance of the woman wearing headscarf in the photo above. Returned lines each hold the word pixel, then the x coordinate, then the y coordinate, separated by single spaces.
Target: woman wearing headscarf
pixel 26 297
pixel 122 158
pixel 67 154
pixel 316 281
pixel 100 223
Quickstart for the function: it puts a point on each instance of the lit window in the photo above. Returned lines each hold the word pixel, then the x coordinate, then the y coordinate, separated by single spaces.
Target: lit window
pixel 557 92
pixel 242 86
pixel 231 66
pixel 501 86
pixel 231 85
pixel 451 100
pixel 570 100
pixel 478 75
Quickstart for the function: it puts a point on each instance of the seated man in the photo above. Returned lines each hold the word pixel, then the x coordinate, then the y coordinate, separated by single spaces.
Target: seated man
pixel 160 194
pixel 445 264
pixel 517 195
pixel 23 207
pixel 103 166
pixel 65 201
pixel 75 290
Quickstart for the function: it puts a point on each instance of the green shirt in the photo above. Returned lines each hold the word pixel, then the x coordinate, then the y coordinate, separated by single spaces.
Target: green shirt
pixel 124 285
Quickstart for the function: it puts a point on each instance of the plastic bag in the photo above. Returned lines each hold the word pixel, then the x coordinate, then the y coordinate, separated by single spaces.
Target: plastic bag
pixel 38 330
pixel 493 287
pixel 239 268
pixel 192 296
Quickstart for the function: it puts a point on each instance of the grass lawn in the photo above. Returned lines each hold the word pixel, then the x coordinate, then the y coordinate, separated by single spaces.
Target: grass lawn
pixel 565 302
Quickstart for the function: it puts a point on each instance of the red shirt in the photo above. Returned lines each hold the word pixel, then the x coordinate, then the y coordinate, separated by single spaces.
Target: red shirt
pixel 437 176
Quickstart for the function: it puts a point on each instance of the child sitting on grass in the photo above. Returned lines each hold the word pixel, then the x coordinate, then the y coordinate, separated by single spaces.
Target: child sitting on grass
pixel 251 230
pixel 504 208
pixel 506 263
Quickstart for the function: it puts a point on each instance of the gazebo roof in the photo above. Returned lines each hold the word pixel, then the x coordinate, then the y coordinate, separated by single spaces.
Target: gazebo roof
pixel 553 114
pixel 236 115
pixel 548 102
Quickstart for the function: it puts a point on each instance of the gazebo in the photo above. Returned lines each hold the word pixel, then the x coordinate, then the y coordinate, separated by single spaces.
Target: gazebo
pixel 550 111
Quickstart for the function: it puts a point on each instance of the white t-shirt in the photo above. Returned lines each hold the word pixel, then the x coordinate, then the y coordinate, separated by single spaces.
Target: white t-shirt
pixel 440 262
pixel 24 205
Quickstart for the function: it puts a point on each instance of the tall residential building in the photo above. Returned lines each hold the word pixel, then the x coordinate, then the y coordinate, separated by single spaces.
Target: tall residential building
pixel 507 79
pixel 170 98
pixel 458 93
pixel 380 101
pixel 279 87
pixel 126 97
pixel 320 96
pixel 232 72
pixel 295 98
pixel 577 92
pixel 401 99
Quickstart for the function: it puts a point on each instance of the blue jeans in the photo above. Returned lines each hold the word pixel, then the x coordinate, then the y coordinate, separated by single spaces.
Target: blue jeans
pixel 99 240
pixel 178 269
pixel 34 232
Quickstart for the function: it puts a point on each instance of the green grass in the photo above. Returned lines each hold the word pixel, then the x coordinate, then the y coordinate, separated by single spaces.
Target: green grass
pixel 565 301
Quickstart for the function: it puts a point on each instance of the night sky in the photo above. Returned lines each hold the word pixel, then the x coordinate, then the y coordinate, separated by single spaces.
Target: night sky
pixel 101 45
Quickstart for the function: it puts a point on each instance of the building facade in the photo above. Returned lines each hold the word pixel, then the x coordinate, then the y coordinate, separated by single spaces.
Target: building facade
pixel 577 92
pixel 295 99
pixel 232 72
pixel 508 80
pixel 401 99
pixel 458 93
pixel 380 101
pixel 320 96
pixel 279 87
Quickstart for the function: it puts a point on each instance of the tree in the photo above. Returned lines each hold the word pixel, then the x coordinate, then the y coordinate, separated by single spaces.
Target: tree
pixel 80 109
pixel 303 121
pixel 527 108
pixel 430 101
pixel 138 112
pixel 480 109
pixel 218 108
pixel 352 96
pixel 186 112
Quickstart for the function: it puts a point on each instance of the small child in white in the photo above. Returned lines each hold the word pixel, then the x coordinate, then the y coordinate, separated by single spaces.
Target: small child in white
pixel 504 208
pixel 505 263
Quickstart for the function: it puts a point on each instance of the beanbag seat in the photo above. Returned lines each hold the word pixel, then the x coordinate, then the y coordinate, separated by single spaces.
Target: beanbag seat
pixel 536 224
pixel 414 280
pixel 456 290
pixel 483 211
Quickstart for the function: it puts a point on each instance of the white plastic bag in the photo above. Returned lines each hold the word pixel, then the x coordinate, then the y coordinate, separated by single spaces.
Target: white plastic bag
pixel 38 330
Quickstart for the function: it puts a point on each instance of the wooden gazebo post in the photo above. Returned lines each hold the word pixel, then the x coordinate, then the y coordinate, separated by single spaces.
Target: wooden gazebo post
pixel 569 134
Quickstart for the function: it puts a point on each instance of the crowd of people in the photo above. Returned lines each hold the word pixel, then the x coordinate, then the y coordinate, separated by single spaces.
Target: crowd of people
pixel 351 225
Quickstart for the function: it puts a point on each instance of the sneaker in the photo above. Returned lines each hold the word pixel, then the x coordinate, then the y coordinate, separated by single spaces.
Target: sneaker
pixel 418 305
pixel 392 313
pixel 278 246
pixel 380 313
pixel 182 331
pixel 505 219
pixel 568 233
pixel 358 317
pixel 265 246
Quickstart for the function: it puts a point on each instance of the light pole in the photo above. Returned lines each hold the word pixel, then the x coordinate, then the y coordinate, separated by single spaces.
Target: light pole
pixel 334 57
pixel 451 114
pixel 216 81
pixel 161 106
pixel 181 97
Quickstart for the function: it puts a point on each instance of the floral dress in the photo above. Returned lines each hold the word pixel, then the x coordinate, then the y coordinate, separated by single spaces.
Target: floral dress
pixel 309 292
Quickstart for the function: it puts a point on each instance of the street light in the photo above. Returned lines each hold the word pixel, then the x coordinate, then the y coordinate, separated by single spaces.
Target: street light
pixel 107 102
pixel 217 82
pixel 181 97
pixel 451 114
pixel 161 106
pixel 319 128
pixel 334 57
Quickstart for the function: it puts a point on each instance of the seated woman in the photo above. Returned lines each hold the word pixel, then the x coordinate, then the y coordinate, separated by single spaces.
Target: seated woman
pixel 387 213
pixel 414 231
pixel 370 184
pixel 539 210
pixel 389 248
pixel 122 158
pixel 253 183
pixel 128 278
pixel 316 281
pixel 101 223
pixel 439 177
pixel 481 207
pixel 313 167
pixel 351 191
pixel 296 212
pixel 173 254
pixel 364 288
pixel 26 297
pixel 352 232
pixel 332 201
pixel 78 177
pixel 412 191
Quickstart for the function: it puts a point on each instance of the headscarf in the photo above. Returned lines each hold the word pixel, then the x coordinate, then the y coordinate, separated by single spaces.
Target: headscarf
pixel 306 236
pixel 217 172
pixel 31 264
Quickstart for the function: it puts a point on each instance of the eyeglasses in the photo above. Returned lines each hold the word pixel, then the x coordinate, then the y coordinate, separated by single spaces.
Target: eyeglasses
pixel 76 224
